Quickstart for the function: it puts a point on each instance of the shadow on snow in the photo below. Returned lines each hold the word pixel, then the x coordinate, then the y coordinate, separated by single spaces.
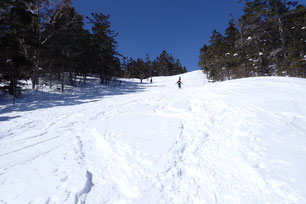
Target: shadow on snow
pixel 32 100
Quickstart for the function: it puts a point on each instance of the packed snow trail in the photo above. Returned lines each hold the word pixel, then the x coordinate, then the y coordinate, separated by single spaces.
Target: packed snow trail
pixel 240 141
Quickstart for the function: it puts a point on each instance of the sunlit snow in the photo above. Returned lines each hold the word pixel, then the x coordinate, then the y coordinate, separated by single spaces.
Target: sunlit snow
pixel 239 141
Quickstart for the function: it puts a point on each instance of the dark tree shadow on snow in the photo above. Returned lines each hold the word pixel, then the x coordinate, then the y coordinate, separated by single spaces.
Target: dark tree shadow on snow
pixel 5 118
pixel 32 100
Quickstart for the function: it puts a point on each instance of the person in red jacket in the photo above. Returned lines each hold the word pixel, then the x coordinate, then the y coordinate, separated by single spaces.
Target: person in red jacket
pixel 179 83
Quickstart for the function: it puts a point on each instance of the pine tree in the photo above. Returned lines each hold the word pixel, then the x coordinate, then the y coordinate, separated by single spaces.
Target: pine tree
pixel 63 45
pixel 148 65
pixel 253 38
pixel 105 45
pixel 46 13
pixel 212 57
pixel 140 69
pixel 230 47
pixel 166 65
pixel 15 37
pixel 277 8
pixel 294 25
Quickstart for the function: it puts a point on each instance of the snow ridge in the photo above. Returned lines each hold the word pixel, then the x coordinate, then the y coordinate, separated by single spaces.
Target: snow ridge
pixel 81 196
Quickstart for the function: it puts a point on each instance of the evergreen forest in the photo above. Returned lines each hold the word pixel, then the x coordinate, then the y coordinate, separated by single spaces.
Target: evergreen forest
pixel 269 39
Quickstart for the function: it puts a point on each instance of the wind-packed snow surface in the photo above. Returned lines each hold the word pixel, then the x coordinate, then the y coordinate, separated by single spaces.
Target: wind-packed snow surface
pixel 239 141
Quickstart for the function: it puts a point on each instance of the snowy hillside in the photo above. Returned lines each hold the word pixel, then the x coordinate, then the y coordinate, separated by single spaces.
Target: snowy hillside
pixel 239 141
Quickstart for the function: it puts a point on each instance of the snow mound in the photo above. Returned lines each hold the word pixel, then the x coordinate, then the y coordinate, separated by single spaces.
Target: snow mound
pixel 194 78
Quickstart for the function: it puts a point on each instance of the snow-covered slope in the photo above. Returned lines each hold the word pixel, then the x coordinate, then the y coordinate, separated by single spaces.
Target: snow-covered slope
pixel 240 141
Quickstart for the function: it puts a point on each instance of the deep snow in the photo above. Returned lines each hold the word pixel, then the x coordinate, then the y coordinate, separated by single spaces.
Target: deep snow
pixel 239 141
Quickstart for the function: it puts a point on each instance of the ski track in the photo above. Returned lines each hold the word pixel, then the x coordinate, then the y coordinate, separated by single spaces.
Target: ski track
pixel 216 151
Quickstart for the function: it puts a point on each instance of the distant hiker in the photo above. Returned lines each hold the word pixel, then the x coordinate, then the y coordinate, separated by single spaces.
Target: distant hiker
pixel 179 83
pixel 141 76
pixel 151 80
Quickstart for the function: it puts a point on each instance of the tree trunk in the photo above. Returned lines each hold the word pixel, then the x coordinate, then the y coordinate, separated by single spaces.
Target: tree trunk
pixel 13 83
pixel 50 74
pixel 63 77
pixel 35 71
pixel 101 78
pixel 84 79
pixel 50 80
pixel 71 79
pixel 282 36
pixel 33 78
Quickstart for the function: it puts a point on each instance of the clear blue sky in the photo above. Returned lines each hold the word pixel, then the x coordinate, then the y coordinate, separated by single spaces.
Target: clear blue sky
pixel 181 27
